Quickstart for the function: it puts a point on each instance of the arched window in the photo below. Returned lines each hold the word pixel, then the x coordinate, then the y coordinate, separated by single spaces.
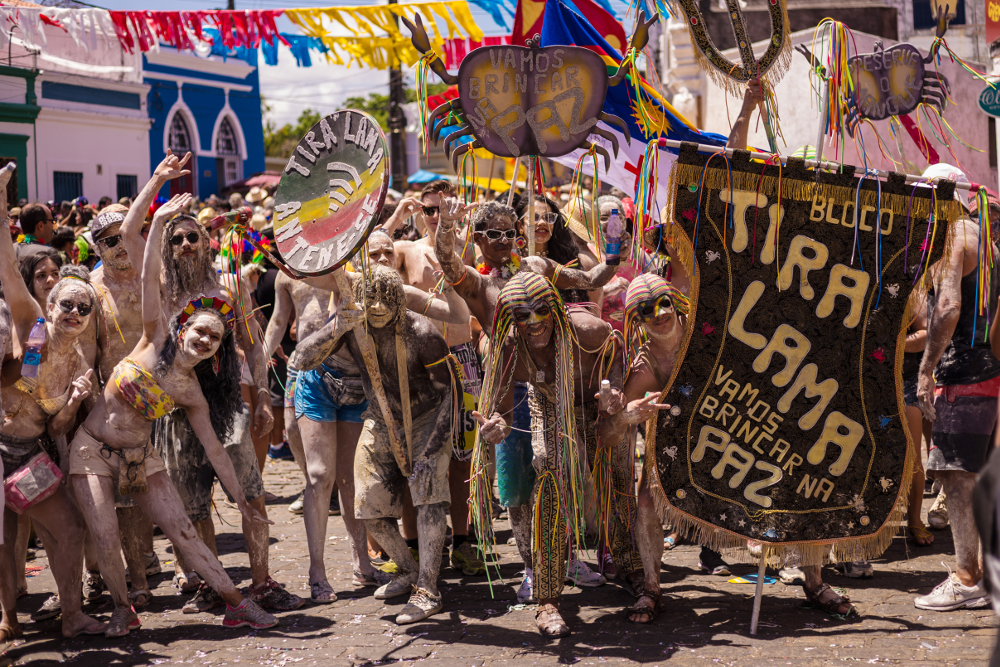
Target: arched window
pixel 179 138
pixel 226 144
pixel 229 162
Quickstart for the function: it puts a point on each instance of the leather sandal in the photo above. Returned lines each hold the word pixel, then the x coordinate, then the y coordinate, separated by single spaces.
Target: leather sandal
pixel 650 612
pixel 833 605
pixel 550 622
pixel 921 536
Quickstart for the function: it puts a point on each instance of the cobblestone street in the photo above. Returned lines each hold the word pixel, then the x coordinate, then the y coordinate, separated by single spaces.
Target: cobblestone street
pixel 705 619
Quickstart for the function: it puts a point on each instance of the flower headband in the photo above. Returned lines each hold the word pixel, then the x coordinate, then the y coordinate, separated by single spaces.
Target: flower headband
pixel 213 303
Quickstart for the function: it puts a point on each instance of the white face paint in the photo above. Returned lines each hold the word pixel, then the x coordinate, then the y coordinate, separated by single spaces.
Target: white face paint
pixel 202 335
pixel 381 250
pixel 76 297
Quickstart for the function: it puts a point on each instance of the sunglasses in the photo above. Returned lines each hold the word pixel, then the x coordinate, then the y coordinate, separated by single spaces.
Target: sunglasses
pixel 110 241
pixel 523 314
pixel 69 306
pixel 647 309
pixel 547 218
pixel 192 237
pixel 496 234
pixel 430 210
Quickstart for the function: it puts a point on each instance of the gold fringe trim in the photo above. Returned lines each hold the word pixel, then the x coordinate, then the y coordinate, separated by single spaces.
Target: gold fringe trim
pixel 801 190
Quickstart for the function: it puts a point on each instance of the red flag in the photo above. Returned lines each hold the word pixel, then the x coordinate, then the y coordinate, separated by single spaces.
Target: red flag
pixel 527 20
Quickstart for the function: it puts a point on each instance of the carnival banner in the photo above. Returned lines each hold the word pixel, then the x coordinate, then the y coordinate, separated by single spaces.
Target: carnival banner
pixel 791 427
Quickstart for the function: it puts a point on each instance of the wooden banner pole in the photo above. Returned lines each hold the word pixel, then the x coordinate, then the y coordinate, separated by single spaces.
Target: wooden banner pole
pixel 529 222
pixel 513 182
pixel 758 594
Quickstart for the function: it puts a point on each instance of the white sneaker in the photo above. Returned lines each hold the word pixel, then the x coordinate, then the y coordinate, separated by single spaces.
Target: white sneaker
pixel 950 594
pixel 858 569
pixel 296 506
pixel 791 576
pixel 526 592
pixel 580 575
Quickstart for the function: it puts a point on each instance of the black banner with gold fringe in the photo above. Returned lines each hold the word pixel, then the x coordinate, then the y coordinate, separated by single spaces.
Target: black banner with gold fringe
pixel 792 428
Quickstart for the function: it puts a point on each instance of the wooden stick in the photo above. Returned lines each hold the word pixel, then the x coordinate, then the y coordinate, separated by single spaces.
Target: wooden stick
pixel 758 594
pixel 513 182
pixel 529 222
pixel 489 183
pixel 371 364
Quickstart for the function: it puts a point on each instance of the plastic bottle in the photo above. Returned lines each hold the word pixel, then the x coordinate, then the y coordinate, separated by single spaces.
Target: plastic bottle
pixel 613 239
pixel 33 353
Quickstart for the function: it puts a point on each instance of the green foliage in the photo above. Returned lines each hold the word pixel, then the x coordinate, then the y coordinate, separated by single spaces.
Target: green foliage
pixel 280 142
pixel 377 104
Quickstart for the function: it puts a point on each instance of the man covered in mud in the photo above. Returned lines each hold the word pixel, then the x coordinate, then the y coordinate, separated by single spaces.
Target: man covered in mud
pixel 188 274
pixel 417 379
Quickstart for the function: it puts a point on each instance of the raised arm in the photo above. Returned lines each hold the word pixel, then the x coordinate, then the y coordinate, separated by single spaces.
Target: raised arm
pixel 23 307
pixel 152 311
pixel 406 207
pixel 171 167
pixel 751 100
pixel 251 341
pixel 464 278
pixel 453 310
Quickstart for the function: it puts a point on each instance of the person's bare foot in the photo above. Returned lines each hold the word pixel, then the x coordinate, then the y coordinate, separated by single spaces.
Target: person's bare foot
pixel 549 621
pixel 81 624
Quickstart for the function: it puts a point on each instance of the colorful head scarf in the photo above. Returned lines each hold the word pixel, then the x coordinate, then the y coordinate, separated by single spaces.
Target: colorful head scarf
pixel 645 287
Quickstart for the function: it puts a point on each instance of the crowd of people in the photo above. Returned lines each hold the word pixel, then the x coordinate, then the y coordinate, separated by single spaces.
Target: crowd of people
pixel 149 355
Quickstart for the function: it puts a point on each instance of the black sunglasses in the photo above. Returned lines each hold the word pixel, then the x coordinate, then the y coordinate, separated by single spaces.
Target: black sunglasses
pixel 192 237
pixel 69 306
pixel 547 218
pixel 496 234
pixel 647 308
pixel 110 241
pixel 523 314
pixel 430 210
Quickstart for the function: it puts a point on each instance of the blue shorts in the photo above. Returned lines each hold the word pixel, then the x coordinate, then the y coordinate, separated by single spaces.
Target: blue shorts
pixel 317 393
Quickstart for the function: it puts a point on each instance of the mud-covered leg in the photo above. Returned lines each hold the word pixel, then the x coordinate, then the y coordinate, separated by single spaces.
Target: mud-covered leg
pixel 649 539
pixel 386 532
pixel 520 525
pixel 9 628
pixel 426 600
pixel 137 537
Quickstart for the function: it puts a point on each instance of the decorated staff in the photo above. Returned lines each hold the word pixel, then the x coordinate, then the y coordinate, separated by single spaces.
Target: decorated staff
pixel 769 68
pixel 778 440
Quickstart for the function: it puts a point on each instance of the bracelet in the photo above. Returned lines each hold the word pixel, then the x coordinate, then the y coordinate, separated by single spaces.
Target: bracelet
pixel 465 272
pixel 263 389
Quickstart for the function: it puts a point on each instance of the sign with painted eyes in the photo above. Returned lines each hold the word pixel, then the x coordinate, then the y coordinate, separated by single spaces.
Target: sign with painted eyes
pixel 790 427
pixel 331 192
pixel 893 81
pixel 532 101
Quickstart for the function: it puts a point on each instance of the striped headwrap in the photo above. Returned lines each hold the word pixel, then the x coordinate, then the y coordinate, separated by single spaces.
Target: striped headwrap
pixel 645 287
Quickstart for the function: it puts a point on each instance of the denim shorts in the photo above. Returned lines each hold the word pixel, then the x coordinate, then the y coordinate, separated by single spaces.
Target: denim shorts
pixel 315 400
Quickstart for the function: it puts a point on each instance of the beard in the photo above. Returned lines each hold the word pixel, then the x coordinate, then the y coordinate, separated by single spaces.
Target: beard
pixel 110 259
pixel 188 274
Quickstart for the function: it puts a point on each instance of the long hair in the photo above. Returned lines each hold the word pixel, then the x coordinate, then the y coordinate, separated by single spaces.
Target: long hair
pixel 29 257
pixel 567 482
pixel 561 247
pixel 172 280
pixel 221 390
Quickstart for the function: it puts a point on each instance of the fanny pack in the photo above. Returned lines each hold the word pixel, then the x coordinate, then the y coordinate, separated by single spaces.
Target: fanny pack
pixel 344 390
pixel 32 483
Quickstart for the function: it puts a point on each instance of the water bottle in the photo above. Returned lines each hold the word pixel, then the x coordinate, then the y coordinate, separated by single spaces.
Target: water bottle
pixel 613 239
pixel 33 353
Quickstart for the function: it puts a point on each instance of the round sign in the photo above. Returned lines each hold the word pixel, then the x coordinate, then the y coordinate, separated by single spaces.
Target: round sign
pixel 331 192
pixel 989 100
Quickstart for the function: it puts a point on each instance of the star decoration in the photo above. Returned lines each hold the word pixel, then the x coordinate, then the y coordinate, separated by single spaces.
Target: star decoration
pixel 722 517
pixel 742 523
pixel 850 525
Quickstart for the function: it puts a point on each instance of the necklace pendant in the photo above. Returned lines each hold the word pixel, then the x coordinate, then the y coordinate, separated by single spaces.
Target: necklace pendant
pixel 540 377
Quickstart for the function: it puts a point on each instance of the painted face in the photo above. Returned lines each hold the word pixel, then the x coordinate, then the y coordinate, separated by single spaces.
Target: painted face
pixel 431 211
pixel 70 312
pixel 497 240
pixel 545 220
pixel 658 316
pixel 382 251
pixel 202 335
pixel 186 240
pixel 111 248
pixel 534 323
pixel 46 277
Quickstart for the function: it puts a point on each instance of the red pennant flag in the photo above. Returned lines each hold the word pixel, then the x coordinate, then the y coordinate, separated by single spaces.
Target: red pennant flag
pixel 529 14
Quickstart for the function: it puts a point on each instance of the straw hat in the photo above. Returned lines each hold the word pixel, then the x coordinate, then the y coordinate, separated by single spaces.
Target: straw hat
pixel 206 214
pixel 575 212
pixel 258 221
pixel 256 195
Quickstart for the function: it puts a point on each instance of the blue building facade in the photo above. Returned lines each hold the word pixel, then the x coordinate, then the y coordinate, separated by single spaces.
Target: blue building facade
pixel 211 107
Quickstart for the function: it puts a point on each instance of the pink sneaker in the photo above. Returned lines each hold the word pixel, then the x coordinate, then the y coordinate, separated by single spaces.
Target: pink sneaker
pixel 248 614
